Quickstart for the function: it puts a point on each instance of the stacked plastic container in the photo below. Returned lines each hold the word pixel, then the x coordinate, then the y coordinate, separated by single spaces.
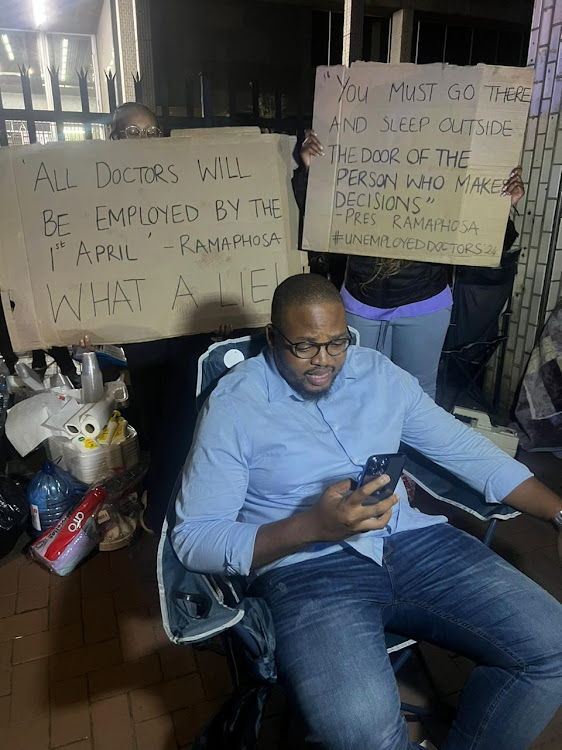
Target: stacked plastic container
pixel 95 465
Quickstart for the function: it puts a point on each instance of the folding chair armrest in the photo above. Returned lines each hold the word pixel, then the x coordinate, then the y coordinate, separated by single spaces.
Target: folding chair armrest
pixel 444 486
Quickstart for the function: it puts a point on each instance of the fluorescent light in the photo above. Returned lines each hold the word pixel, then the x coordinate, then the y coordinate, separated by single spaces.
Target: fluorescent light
pixel 7 46
pixel 39 12
pixel 64 59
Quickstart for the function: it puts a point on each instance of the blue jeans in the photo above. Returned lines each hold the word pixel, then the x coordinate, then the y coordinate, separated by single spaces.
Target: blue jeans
pixel 413 343
pixel 436 584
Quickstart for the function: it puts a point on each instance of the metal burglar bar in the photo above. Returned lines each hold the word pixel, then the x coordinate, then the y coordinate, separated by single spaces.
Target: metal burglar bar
pixel 272 120
pixel 56 115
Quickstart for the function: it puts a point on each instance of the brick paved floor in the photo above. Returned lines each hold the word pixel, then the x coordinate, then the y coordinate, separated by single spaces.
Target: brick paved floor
pixel 85 664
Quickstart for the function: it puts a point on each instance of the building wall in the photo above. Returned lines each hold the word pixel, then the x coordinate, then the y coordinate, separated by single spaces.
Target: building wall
pixel 128 50
pixel 538 285
pixel 275 42
pixel 232 42
pixel 512 11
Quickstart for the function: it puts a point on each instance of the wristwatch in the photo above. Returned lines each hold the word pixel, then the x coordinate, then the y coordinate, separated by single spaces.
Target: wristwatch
pixel 557 520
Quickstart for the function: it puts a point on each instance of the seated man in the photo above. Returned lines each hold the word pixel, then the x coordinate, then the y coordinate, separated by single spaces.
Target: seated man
pixel 266 491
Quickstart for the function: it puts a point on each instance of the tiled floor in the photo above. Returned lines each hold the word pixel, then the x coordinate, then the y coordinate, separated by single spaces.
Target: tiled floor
pixel 85 664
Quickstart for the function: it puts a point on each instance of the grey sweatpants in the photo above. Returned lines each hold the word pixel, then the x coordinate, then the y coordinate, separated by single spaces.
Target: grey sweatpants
pixel 413 343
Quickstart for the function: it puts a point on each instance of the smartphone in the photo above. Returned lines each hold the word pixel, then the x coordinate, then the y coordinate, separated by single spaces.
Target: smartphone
pixel 391 464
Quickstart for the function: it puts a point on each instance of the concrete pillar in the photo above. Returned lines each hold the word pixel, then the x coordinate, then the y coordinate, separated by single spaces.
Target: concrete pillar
pixel 133 45
pixel 353 13
pixel 401 36
pixel 127 48
pixel 146 61
pixel 538 283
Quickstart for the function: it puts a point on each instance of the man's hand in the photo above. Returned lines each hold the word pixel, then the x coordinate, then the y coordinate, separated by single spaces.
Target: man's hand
pixel 514 187
pixel 222 333
pixel 311 147
pixel 340 513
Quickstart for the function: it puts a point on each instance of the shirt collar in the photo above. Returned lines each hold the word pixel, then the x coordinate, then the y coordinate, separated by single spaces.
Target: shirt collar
pixel 278 388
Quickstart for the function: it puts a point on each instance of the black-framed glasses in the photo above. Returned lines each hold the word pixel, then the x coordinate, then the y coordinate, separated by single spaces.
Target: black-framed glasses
pixel 311 349
pixel 132 131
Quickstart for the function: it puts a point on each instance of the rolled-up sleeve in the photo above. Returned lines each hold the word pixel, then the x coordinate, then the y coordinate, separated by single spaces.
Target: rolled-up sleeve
pixel 207 536
pixel 460 449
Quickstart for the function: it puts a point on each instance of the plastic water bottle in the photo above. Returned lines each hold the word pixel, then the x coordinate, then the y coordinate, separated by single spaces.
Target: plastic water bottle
pixel 50 494
pixel 92 380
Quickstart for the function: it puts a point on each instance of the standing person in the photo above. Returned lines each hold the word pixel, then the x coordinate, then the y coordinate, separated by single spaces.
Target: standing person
pixel 163 373
pixel 133 120
pixel 401 308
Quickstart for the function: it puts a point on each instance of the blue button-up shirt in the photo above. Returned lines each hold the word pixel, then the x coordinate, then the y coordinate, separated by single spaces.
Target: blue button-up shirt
pixel 262 453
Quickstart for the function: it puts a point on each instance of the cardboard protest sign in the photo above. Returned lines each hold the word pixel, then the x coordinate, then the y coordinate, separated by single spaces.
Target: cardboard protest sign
pixel 415 160
pixel 216 132
pixel 140 240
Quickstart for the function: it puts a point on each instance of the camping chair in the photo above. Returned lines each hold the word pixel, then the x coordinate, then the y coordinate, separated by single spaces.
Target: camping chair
pixel 478 329
pixel 196 607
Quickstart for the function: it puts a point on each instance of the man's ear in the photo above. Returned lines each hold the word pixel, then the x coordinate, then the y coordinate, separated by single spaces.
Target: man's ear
pixel 269 335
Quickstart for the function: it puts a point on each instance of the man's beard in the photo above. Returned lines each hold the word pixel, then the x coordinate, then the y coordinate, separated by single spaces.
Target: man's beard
pixel 310 395
pixel 302 391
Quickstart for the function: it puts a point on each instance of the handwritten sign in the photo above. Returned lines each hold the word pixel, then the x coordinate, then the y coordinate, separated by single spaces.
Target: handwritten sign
pixel 416 157
pixel 135 241
pixel 228 130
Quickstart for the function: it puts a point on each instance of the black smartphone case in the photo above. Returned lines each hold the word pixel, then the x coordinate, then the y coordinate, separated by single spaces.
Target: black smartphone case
pixel 391 464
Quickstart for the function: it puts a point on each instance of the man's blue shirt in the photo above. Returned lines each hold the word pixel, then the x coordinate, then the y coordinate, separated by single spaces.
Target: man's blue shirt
pixel 262 453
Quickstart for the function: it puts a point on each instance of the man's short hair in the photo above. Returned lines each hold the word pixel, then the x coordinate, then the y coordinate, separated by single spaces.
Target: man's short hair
pixel 302 289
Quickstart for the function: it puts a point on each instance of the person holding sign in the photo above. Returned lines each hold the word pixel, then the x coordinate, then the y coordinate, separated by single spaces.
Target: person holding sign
pixel 267 492
pixel 134 120
pixel 401 308
pixel 163 372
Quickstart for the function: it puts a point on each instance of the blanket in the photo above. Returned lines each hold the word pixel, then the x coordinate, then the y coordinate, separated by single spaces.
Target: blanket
pixel 539 408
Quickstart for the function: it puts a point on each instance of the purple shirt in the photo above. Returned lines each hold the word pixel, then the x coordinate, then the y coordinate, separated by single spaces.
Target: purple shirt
pixel 438 302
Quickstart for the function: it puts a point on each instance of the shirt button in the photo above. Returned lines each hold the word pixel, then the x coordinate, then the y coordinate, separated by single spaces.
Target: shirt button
pixel 336 428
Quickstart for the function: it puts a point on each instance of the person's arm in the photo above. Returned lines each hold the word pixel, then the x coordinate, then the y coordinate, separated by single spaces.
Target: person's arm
pixel 338 515
pixel 311 146
pixel 531 496
pixel 317 261
pixel 461 450
pixel 515 190
pixel 207 536
pixel 470 456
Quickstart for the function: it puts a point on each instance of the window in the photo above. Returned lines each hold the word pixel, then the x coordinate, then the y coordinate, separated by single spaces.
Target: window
pixel 21 49
pixel 16 131
pixel 69 54
pixel 460 42
pixel 327 38
pixel 38 52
